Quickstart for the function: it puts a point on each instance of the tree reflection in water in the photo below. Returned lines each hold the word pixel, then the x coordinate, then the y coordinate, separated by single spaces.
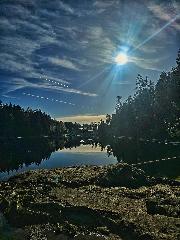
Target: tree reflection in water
pixel 147 155
pixel 16 153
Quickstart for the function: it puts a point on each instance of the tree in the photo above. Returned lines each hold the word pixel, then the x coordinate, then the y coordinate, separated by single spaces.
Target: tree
pixel 15 121
pixel 152 112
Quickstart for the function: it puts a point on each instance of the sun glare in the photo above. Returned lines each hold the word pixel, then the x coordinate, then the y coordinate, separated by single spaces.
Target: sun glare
pixel 121 59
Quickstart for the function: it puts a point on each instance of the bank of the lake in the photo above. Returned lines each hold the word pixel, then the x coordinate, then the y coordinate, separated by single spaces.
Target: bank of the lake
pixel 91 202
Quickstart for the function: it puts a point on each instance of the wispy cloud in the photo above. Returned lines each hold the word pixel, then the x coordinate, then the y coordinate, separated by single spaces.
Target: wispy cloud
pixel 66 7
pixel 148 63
pixel 19 83
pixel 166 12
pixel 105 4
pixel 63 63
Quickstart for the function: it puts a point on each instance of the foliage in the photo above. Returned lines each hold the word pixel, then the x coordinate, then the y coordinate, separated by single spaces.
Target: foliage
pixel 153 111
pixel 15 121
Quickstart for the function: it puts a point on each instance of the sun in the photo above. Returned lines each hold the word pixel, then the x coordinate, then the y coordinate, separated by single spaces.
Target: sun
pixel 121 59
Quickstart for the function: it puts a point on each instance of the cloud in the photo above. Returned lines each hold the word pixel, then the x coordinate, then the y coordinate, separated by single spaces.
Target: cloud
pixel 82 118
pixel 66 7
pixel 148 63
pixel 7 24
pixel 166 12
pixel 105 4
pixel 19 83
pixel 14 10
pixel 7 63
pixel 100 46
pixel 63 63
pixel 22 66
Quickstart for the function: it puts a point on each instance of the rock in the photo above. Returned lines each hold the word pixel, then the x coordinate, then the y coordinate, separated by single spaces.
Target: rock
pixel 124 175
pixel 166 206
pixel 111 202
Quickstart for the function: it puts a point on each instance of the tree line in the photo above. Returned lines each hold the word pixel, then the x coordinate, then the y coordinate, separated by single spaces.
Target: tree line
pixel 152 112
pixel 16 121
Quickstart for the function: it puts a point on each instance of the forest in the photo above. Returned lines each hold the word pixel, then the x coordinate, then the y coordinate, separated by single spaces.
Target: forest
pixel 18 122
pixel 15 121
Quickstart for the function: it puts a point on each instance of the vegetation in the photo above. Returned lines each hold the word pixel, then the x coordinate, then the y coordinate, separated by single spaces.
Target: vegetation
pixel 90 202
pixel 15 121
pixel 153 111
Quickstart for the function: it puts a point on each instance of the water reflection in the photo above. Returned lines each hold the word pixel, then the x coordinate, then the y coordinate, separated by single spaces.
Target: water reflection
pixel 19 155
pixel 30 153
pixel 15 153
pixel 157 158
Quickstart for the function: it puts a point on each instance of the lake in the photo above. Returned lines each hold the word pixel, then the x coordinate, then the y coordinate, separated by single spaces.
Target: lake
pixel 74 156
pixel 20 155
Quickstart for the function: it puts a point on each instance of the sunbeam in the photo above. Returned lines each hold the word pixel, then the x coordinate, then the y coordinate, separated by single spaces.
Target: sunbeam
pixel 156 33
pixel 94 77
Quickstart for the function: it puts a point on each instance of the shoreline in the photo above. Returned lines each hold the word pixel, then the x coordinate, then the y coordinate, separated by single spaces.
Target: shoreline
pixel 90 202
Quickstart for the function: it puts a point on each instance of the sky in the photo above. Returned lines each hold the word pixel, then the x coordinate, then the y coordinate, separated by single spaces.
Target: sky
pixel 59 55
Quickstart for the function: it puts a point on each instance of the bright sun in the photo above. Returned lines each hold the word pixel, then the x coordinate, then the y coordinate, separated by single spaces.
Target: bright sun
pixel 121 59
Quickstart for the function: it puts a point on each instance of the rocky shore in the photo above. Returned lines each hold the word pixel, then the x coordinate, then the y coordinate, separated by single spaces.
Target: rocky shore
pixel 90 202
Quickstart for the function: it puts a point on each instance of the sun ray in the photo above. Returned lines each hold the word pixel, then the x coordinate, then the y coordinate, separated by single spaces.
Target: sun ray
pixel 94 77
pixel 156 33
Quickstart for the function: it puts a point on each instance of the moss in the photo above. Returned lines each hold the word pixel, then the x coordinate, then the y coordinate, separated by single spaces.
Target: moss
pixel 114 202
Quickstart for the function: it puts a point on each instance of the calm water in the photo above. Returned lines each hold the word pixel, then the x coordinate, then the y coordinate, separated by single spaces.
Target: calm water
pixel 19 155
pixel 75 156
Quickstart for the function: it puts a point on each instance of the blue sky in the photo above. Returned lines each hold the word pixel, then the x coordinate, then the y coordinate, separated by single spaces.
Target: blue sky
pixel 59 55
